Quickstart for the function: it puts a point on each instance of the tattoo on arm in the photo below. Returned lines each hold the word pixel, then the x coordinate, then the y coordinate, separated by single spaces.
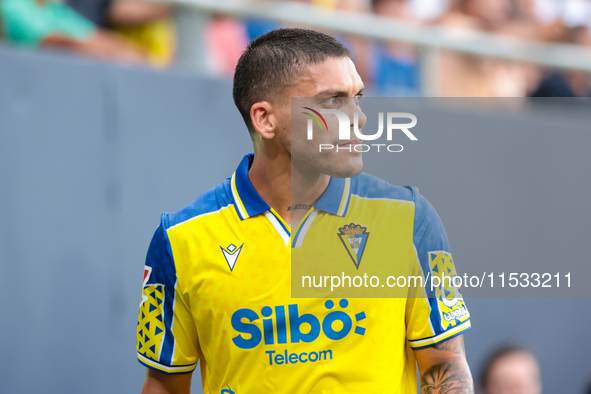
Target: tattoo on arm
pixel 443 378
pixel 453 346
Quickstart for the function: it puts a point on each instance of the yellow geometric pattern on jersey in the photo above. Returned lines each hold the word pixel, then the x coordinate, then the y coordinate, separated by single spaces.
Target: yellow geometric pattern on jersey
pixel 450 300
pixel 150 328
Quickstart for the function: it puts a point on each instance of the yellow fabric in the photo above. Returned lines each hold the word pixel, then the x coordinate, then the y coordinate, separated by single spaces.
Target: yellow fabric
pixel 225 262
pixel 159 38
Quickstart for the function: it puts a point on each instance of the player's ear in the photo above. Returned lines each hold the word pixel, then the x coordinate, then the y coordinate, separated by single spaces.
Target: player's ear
pixel 263 121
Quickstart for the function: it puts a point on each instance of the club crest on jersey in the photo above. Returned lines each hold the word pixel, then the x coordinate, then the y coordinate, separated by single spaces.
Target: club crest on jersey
pixel 354 238
pixel 231 254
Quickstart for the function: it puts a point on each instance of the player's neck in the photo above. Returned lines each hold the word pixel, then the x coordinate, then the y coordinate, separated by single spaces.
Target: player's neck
pixel 271 177
pixel 288 190
pixel 307 185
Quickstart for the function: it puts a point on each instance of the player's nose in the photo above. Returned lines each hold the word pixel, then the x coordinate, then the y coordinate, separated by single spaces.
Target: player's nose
pixel 357 116
pixel 352 109
pixel 361 118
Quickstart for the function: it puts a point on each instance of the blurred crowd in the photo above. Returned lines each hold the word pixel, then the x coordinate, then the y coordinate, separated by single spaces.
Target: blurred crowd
pixel 128 31
pixel 143 32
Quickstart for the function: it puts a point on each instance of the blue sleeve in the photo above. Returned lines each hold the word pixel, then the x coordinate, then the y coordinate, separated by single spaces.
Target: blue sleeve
pixel 447 315
pixel 155 338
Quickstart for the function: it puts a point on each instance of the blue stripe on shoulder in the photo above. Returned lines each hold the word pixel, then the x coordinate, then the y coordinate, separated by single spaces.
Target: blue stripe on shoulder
pixel 161 259
pixel 369 186
pixel 210 201
pixel 429 235
pixel 164 271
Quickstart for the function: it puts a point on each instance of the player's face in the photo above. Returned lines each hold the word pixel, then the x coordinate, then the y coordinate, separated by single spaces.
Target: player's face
pixel 333 84
pixel 516 373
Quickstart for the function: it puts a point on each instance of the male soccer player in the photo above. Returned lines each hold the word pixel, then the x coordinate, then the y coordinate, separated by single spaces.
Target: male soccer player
pixel 217 276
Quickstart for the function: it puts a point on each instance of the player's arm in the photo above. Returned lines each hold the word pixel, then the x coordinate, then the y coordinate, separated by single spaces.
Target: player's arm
pixel 167 342
pixel 443 368
pixel 101 44
pixel 133 12
pixel 161 383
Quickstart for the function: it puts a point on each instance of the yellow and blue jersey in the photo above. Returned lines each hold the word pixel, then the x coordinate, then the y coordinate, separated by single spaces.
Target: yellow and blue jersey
pixel 218 289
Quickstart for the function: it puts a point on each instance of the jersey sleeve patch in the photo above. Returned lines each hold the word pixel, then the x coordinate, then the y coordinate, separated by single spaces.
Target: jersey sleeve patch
pixel 151 331
pixel 161 318
pixel 453 316
pixel 447 313
pixel 150 328
pixel 449 297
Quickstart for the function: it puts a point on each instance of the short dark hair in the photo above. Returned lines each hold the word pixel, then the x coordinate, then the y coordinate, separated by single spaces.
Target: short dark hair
pixel 273 60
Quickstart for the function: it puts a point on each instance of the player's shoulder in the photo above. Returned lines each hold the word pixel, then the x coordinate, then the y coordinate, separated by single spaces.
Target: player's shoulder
pixel 210 202
pixel 371 187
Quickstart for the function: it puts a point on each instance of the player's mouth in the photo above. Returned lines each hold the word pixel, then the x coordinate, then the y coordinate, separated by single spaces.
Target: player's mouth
pixel 352 143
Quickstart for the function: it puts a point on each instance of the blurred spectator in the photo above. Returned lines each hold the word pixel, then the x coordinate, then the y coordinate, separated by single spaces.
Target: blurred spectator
pixel 360 48
pixel 567 83
pixel 96 11
pixel 140 31
pixel 51 23
pixel 147 24
pixel 486 15
pixel 225 38
pixel 395 65
pixel 474 76
pixel 461 75
pixel 569 12
pixel 256 27
pixel 426 10
pixel 511 370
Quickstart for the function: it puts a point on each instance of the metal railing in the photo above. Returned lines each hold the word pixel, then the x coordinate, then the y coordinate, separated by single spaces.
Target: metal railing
pixel 194 13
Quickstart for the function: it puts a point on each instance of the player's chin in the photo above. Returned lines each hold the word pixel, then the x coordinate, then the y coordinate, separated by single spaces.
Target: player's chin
pixel 346 165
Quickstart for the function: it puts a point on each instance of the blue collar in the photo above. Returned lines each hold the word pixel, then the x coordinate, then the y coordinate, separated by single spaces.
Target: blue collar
pixel 247 200
pixel 335 198
pixel 249 203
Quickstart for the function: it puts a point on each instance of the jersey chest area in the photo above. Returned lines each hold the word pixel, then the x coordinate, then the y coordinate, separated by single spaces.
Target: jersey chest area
pixel 237 279
pixel 352 256
pixel 223 257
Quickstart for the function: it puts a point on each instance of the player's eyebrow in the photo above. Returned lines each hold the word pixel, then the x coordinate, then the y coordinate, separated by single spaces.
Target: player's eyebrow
pixel 337 93
pixel 331 93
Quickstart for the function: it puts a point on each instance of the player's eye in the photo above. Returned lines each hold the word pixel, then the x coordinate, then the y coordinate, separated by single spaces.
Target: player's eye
pixel 336 101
